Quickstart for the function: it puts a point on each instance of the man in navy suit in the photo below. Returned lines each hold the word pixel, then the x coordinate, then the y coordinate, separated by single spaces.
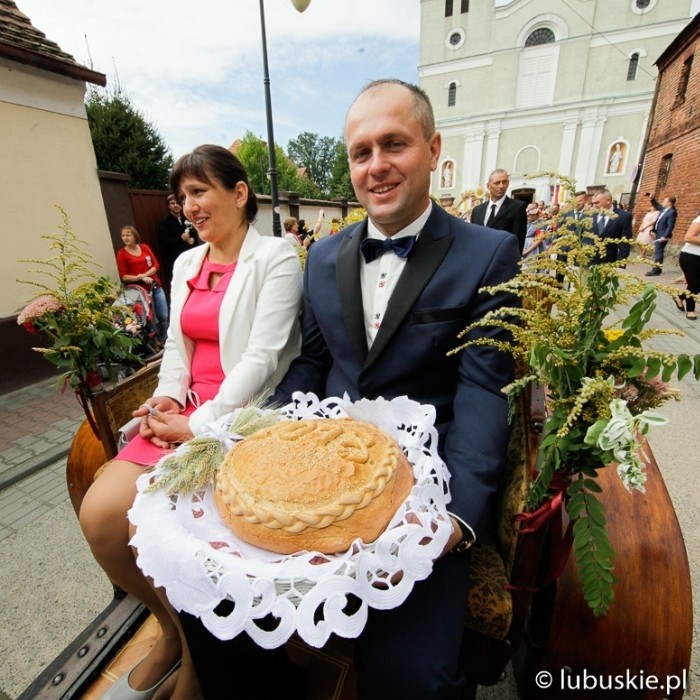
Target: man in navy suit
pixel 384 301
pixel 612 225
pixel 382 326
pixel 501 212
pixel 663 230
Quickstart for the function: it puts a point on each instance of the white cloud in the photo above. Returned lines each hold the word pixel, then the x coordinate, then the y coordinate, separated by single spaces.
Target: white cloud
pixel 195 69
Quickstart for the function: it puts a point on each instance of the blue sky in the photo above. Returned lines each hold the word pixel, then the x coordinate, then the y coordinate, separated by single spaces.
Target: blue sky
pixel 195 69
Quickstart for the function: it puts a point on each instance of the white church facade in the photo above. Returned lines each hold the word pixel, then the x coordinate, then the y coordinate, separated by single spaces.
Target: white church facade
pixel 533 86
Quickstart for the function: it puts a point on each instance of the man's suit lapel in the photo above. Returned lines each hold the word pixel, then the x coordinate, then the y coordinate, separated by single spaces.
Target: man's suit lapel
pixel 479 214
pixel 427 256
pixel 350 290
pixel 503 211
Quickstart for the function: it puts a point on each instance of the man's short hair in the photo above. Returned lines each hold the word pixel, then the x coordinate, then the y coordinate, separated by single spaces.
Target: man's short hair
pixel 171 198
pixel 289 222
pixel 422 107
pixel 581 193
pixel 498 171
pixel 671 199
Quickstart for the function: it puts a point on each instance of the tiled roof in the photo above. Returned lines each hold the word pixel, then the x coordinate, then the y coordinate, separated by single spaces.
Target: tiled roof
pixel 22 42
pixel 17 29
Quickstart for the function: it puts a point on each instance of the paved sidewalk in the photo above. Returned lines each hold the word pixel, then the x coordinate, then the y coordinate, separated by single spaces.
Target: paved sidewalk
pixel 667 316
pixel 37 425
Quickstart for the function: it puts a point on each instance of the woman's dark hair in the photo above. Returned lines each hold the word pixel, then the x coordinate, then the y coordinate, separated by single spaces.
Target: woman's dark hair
pixel 209 162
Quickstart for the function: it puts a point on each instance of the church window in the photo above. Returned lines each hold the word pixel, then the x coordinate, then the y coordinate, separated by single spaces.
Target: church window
pixel 632 67
pixel 542 35
pixel 455 39
pixel 448 8
pixel 452 95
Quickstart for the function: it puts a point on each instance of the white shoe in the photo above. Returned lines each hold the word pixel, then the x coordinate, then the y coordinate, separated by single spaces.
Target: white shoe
pixel 121 690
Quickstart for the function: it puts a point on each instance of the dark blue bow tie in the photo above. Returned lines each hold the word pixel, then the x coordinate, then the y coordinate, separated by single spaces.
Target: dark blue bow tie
pixel 372 248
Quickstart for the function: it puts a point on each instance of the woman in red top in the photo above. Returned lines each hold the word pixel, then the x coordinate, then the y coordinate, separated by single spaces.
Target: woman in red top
pixel 138 265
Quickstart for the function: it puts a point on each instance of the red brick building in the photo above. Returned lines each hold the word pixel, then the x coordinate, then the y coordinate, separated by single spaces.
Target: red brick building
pixel 673 149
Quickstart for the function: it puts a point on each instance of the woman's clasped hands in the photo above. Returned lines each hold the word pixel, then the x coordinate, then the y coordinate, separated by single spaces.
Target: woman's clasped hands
pixel 162 422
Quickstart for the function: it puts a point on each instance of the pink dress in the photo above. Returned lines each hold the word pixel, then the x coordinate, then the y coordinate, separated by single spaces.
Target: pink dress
pixel 200 323
pixel 646 234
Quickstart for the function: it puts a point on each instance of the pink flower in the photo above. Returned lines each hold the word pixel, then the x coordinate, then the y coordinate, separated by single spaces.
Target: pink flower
pixel 35 309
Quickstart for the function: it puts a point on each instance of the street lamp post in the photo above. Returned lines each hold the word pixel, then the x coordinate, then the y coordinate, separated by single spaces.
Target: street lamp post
pixel 300 5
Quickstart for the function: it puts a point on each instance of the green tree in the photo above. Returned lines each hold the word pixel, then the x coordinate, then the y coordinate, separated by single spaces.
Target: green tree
pixel 125 141
pixel 315 153
pixel 339 184
pixel 253 153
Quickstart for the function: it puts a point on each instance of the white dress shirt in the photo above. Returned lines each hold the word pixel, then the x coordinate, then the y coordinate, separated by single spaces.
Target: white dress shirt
pixel 490 208
pixel 379 277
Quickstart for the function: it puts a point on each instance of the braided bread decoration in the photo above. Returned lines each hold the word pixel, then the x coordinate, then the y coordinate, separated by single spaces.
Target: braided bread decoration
pixel 312 484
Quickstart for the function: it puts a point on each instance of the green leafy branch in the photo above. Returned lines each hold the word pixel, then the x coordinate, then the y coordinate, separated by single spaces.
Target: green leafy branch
pixel 593 550
pixel 601 381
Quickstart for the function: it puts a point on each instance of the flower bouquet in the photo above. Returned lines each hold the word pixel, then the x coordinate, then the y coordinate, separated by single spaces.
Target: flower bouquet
pixel 580 332
pixel 74 311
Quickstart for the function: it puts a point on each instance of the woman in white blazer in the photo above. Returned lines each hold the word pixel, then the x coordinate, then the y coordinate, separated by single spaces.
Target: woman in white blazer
pixel 233 332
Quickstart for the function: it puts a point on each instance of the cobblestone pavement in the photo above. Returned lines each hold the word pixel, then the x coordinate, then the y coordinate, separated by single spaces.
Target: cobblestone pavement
pixel 37 424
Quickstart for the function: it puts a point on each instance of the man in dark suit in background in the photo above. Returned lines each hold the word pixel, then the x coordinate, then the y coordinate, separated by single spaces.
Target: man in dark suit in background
pixel 384 300
pixel 613 225
pixel 501 212
pixel 663 230
pixel 174 237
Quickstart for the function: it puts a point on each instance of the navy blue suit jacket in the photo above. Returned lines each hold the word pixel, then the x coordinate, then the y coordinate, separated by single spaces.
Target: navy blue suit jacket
pixel 436 296
pixel 666 222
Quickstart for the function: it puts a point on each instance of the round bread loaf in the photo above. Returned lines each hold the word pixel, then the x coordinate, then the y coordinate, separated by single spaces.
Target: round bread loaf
pixel 312 485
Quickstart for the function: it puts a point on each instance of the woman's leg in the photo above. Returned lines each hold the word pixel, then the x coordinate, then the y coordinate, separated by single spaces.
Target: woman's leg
pixel 104 522
pixel 186 685
pixel 160 305
pixel 690 264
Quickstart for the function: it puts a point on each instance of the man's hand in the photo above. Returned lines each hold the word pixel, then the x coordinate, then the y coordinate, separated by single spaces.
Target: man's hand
pixel 455 537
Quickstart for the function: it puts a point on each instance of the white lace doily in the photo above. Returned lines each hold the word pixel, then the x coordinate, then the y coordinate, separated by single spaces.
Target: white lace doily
pixel 184 546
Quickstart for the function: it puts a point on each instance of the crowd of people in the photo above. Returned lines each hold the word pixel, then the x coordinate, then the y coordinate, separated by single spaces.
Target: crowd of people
pixel 383 301
pixel 536 224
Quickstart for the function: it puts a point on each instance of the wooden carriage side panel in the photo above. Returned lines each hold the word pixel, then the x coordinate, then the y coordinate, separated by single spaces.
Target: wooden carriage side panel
pixel 113 407
pixel 649 627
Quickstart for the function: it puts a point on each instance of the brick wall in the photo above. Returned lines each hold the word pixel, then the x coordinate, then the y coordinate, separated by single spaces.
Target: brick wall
pixel 675 132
